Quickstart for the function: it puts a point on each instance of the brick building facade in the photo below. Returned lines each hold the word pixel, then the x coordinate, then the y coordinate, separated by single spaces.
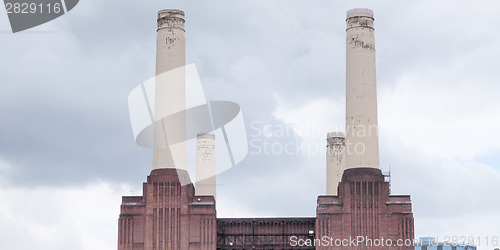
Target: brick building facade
pixel 170 216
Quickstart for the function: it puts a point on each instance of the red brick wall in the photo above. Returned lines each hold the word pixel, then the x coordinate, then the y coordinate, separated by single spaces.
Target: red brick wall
pixel 364 208
pixel 170 216
pixel 167 216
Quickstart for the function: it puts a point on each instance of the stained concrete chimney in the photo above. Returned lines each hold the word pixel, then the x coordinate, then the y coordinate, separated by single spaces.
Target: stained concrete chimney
pixel 361 91
pixel 169 149
pixel 335 161
pixel 205 165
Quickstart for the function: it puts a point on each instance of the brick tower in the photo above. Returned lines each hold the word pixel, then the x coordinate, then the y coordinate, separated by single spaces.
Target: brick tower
pixel 363 209
pixel 168 215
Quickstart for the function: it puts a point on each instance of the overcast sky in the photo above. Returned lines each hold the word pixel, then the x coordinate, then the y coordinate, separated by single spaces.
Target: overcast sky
pixel 67 152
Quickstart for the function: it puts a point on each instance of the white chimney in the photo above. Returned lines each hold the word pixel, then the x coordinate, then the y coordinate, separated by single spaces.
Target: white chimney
pixel 205 165
pixel 335 161
pixel 361 91
pixel 169 149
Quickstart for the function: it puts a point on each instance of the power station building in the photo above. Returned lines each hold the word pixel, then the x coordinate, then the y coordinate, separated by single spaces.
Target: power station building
pixel 357 212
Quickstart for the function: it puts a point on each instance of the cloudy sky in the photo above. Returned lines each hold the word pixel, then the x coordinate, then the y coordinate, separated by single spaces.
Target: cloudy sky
pixel 67 152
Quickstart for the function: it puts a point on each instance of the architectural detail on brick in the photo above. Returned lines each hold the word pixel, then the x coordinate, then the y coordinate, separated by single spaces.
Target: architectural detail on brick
pixel 167 215
pixel 170 216
pixel 364 207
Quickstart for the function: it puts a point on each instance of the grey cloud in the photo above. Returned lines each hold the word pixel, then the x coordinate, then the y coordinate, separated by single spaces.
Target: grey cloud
pixel 63 95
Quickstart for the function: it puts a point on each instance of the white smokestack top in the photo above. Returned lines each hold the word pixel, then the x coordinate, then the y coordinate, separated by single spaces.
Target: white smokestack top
pixel 335 161
pixel 205 165
pixel 361 91
pixel 169 149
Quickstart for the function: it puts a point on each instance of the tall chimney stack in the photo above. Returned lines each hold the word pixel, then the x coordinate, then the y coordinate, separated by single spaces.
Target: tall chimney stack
pixel 361 91
pixel 205 165
pixel 169 149
pixel 335 161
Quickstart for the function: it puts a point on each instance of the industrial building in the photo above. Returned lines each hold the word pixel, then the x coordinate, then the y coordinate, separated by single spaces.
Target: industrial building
pixel 357 203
